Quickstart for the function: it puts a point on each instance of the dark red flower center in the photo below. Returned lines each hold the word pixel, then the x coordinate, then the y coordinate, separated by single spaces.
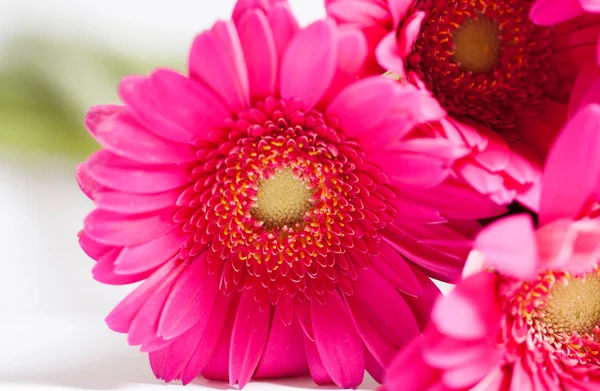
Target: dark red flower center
pixel 484 59
pixel 282 202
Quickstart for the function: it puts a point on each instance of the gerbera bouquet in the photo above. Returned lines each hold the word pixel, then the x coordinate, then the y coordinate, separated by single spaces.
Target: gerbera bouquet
pixel 287 200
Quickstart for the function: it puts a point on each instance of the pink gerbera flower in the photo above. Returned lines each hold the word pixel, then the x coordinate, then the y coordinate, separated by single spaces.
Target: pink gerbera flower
pixel 531 319
pixel 492 69
pixel 282 213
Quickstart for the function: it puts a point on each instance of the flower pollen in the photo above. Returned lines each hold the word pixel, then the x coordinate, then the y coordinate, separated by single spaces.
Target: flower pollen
pixel 573 305
pixel 283 199
pixel 477 44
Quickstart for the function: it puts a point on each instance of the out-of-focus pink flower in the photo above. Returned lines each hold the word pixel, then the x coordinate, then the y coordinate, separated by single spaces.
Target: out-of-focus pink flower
pixel 492 69
pixel 283 215
pixel 529 318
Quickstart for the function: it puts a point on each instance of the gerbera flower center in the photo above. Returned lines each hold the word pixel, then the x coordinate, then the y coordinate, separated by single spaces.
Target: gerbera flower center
pixel 560 313
pixel 484 59
pixel 285 203
pixel 283 199
pixel 477 44
pixel 573 305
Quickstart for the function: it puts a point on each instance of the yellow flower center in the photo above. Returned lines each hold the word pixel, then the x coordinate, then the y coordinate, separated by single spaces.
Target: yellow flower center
pixel 573 306
pixel 283 199
pixel 477 44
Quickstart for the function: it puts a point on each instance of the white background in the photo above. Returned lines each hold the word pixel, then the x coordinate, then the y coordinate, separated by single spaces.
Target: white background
pixel 52 334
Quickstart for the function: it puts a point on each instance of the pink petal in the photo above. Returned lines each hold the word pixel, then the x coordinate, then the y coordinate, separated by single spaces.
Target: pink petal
pixel 315 365
pixel 248 340
pixel 284 353
pixel 389 56
pixel 509 245
pixel 464 377
pixel 394 268
pixel 284 27
pixel 338 342
pixel 312 53
pixel 409 372
pixel 92 248
pixel 117 173
pixel 260 53
pixel 357 12
pixel 210 339
pixel 399 9
pixel 104 271
pixel 521 380
pixel 381 349
pixel 352 54
pixel 420 162
pixel 146 256
pixel 122 316
pixel 363 105
pixel 244 6
pixel 218 367
pixel 144 327
pixel 572 167
pixel 422 305
pixel 190 301
pixel 173 106
pixel 496 156
pixel 225 71
pixel 88 185
pixel 128 230
pixel 385 307
pixel 551 12
pixel 446 353
pixel 130 203
pixel 470 311
pixel 121 134
pixel 409 31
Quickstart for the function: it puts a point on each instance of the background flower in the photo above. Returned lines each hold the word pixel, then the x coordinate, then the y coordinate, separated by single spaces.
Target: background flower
pixel 531 321
pixel 505 82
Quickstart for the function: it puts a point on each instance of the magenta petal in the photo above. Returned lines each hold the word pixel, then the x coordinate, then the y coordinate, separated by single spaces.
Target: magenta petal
pixel 145 256
pixel 244 6
pixel 248 340
pixel 190 300
pixel 399 9
pixel 385 307
pixel 92 248
pixel 377 345
pixel 104 271
pixel 88 185
pixel 284 353
pixel 144 327
pixel 128 230
pixel 225 71
pixel 121 134
pixel 260 52
pixel 121 317
pixel 315 365
pixel 284 27
pixel 352 54
pixel 338 342
pixel 389 56
pixel 470 311
pixel 363 104
pixel 409 372
pixel 217 368
pixel 124 175
pixel 209 341
pixel 312 53
pixel 396 270
pixel 130 203
pixel 572 167
pixel 509 245
pixel 551 12
pixel 409 32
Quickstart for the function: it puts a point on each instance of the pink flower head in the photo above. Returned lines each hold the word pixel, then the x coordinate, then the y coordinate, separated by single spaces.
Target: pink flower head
pixel 281 214
pixel 505 82
pixel 530 318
